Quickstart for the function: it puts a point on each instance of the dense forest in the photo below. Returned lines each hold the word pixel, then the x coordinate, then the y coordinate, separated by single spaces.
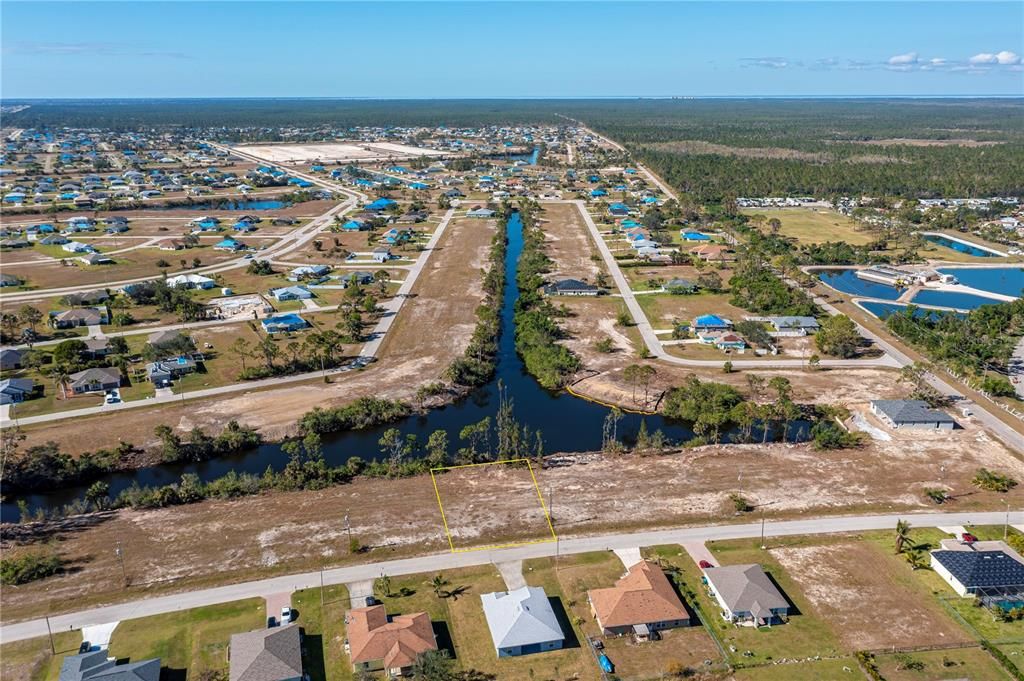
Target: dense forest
pixel 715 150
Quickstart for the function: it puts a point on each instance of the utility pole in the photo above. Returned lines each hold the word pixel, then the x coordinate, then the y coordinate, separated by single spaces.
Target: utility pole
pixel 120 557
pixel 321 590
pixel 348 529
pixel 53 649
pixel 763 546
pixel 1006 520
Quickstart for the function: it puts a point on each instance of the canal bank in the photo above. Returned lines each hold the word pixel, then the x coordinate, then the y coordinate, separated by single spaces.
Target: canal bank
pixel 565 423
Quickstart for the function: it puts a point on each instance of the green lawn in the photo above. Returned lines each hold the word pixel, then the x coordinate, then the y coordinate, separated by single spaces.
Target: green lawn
pixel 816 226
pixel 980 621
pixel 323 628
pixel 194 639
pixel 961 663
pixel 32 660
pixel 804 635
pixel 839 669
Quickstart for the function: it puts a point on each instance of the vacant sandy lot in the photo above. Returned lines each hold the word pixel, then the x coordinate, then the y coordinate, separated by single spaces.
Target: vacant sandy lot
pixel 865 599
pixel 277 533
pixel 444 300
pixel 569 243
pixel 352 151
pixel 479 519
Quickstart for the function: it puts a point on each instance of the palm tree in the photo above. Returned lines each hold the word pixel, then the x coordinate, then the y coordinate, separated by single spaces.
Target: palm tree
pixel 438 583
pixel 902 535
pixel 382 585
pixel 60 379
pixel 243 349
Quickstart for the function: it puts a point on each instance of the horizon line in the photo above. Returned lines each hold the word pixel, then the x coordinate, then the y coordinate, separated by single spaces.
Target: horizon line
pixel 510 97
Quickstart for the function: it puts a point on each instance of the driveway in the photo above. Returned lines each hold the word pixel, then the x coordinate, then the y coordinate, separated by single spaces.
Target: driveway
pixel 698 552
pixel 358 591
pixel 629 556
pixel 512 573
pixel 277 601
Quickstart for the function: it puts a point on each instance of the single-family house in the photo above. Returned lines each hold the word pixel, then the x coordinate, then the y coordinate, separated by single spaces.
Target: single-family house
pixel 77 247
pixel 911 414
pixel 710 322
pixel 712 253
pixel 229 244
pixel 100 379
pixel 53 240
pixel 379 205
pixel 189 281
pixel 641 602
pixel 362 278
pixel 95 259
pixel 598 193
pixel 793 326
pixel 479 212
pixel 382 255
pixel 10 358
pixel 166 337
pixel 746 595
pixel 7 279
pixel 14 243
pixel 163 371
pixel 680 285
pixel 14 390
pixel 85 316
pixel 98 665
pixel 693 236
pixel 283 323
pixel 570 287
pixel 291 293
pixel 97 347
pixel 354 226
pixel 311 273
pixel 522 622
pixel 273 654
pixel 170 245
pixel 618 209
pixel 987 569
pixel 378 642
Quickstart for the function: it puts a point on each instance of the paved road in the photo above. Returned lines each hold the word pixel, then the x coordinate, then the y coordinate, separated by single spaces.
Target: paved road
pixel 289 242
pixel 366 354
pixel 654 345
pixel 448 561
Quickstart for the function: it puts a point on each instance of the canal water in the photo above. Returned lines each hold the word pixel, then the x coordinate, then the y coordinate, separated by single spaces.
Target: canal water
pixel 567 423
pixel 959 246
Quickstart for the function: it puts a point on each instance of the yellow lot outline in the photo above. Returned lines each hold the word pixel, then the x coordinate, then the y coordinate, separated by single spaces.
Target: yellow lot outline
pixel 536 487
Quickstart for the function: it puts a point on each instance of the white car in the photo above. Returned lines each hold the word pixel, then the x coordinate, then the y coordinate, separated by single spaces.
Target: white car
pixel 286 615
pixel 113 397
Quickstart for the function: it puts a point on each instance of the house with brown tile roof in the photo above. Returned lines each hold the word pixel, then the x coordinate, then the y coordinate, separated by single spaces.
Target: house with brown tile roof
pixel 378 642
pixel 641 602
pixel 713 252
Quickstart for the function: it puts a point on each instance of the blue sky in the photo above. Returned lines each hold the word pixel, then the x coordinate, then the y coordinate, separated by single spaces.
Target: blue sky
pixel 509 49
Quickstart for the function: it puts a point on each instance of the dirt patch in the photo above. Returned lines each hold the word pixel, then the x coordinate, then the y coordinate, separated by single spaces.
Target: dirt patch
pixel 569 243
pixel 910 142
pixel 861 595
pixel 444 300
pixel 278 533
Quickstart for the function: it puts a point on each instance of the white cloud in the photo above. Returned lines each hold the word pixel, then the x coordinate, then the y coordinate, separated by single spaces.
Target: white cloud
pixel 1008 58
pixel 983 58
pixel 766 62
pixel 937 61
pixel 903 59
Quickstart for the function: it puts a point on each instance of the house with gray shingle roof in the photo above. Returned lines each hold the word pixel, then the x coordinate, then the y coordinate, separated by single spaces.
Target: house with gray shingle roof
pixel 522 622
pixel 97 379
pixel 267 655
pixel 745 594
pixel 95 665
pixel 911 414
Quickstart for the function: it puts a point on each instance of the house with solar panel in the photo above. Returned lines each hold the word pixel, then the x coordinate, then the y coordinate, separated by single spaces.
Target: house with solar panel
pixel 987 570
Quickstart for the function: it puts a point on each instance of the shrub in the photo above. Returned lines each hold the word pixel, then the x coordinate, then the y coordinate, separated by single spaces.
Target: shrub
pixel 29 567
pixel 993 481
